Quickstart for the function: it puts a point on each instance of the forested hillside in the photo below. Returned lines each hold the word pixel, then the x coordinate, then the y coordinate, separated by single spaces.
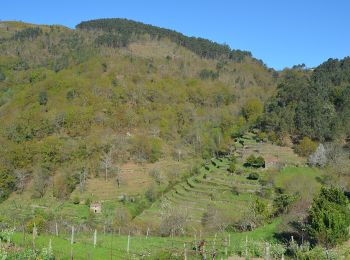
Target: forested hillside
pixel 312 103
pixel 67 97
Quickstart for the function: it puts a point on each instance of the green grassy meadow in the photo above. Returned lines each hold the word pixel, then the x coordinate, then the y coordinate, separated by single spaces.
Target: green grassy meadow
pixel 114 246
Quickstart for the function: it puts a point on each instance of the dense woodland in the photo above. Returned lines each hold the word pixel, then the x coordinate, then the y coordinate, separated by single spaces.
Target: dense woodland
pixel 123 31
pixel 79 105
pixel 312 103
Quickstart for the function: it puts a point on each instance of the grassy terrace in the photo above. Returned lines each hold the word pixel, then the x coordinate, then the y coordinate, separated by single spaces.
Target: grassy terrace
pixel 212 187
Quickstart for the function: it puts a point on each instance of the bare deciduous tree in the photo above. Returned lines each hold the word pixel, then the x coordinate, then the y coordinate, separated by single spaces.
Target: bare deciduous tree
pixel 173 220
pixel 21 179
pixel 82 179
pixel 106 162
pixel 213 219
pixel 319 157
pixel 156 174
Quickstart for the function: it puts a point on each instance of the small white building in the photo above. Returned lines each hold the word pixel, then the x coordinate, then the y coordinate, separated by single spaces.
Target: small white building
pixel 96 207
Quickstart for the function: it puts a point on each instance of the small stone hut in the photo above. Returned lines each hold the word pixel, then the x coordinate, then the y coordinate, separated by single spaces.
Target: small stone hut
pixel 96 207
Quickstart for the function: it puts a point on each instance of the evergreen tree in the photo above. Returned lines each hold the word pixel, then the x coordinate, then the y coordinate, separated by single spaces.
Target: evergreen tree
pixel 329 218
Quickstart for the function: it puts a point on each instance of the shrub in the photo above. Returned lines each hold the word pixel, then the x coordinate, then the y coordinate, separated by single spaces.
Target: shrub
pixel 253 176
pixel 156 150
pixel 6 236
pixel 146 149
pixel 208 74
pixel 7 183
pixel 252 110
pixel 71 94
pixel 232 167
pixel 259 162
pixel 39 223
pixel 255 162
pixel 76 200
pixel 239 171
pixel 87 201
pixel 274 138
pixel 233 159
pixel 282 203
pixel 305 147
pixel 64 184
pixel 261 137
pixel 151 194
pixel 235 190
pixel 329 218
pixel 42 98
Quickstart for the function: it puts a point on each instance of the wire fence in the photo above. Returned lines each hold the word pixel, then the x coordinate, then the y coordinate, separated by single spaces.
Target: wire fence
pixel 115 246
pixel 85 245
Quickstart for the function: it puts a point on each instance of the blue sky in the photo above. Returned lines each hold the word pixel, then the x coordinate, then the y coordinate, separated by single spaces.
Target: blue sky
pixel 280 32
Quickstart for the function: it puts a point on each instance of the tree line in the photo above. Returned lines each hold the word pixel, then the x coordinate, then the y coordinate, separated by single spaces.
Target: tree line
pixel 119 32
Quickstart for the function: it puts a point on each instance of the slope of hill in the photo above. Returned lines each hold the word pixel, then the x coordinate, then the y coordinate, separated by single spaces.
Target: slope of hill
pixel 66 100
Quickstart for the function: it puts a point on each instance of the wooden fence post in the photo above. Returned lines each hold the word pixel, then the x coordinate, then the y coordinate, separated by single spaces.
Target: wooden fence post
pixel 128 246
pixel 71 244
pixel 72 236
pixel 35 233
pixel 56 229
pixel 50 248
pixel 267 251
pixel 214 242
pixel 185 252
pixel 95 238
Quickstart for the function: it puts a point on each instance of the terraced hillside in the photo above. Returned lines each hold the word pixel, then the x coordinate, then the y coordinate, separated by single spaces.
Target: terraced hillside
pixel 212 187
pixel 217 193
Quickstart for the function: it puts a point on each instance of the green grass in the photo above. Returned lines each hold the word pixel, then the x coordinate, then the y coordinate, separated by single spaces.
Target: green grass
pixel 107 245
pixel 301 180
pixel 114 246
pixel 264 233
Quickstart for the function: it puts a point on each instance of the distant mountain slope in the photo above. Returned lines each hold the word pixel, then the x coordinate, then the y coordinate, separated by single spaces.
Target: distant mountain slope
pixel 126 29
